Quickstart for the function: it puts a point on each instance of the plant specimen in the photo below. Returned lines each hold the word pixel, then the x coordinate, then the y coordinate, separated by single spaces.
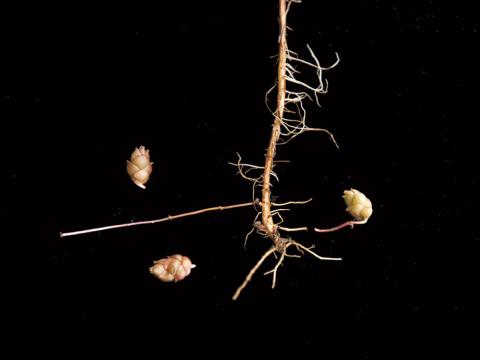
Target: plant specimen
pixel 289 121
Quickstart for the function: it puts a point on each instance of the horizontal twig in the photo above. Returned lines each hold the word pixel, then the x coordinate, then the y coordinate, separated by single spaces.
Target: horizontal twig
pixel 146 222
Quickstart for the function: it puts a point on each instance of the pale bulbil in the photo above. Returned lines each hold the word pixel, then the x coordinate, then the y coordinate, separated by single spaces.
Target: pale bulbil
pixel 358 205
pixel 139 167
pixel 173 268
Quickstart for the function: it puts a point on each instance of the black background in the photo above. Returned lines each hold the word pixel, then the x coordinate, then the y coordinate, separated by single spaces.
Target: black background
pixel 82 86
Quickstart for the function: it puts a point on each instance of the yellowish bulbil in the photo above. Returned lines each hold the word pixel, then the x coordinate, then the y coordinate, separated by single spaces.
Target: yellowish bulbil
pixel 358 205
pixel 139 167
pixel 173 268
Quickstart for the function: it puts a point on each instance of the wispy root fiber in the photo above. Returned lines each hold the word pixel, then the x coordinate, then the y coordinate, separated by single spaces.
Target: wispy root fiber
pixel 282 249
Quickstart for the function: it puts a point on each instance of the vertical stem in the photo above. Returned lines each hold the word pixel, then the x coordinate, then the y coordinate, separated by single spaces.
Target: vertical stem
pixel 267 219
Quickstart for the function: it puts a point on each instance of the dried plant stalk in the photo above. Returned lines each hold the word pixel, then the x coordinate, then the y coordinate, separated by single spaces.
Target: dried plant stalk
pixel 283 130
pixel 156 221
pixel 267 219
